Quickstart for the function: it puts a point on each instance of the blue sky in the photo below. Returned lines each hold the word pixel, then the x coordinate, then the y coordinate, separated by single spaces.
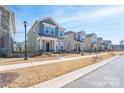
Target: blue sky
pixel 105 21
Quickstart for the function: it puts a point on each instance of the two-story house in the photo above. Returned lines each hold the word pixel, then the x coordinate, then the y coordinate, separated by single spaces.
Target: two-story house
pixel 107 45
pixel 100 45
pixel 91 41
pixel 46 35
pixel 74 41
pixel 7 29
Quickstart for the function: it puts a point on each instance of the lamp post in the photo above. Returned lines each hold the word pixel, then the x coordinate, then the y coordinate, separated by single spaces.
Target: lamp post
pixel 25 26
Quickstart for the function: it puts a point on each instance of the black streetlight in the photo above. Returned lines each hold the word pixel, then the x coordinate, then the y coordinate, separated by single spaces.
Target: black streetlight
pixel 25 26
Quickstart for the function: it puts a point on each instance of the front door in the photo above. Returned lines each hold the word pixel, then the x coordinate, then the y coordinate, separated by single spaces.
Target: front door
pixel 78 47
pixel 47 46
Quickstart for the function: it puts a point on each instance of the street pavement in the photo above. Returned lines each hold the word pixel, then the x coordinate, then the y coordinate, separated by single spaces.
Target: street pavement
pixel 110 75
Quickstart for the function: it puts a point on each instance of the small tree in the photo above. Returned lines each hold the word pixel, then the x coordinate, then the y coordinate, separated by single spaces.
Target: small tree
pixel 121 44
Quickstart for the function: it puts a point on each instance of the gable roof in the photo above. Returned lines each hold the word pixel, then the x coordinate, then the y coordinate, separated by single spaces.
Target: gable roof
pixel 100 38
pixel 69 32
pixel 46 18
pixel 89 35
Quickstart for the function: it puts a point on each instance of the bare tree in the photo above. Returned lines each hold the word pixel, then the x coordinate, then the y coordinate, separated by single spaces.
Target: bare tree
pixel 121 44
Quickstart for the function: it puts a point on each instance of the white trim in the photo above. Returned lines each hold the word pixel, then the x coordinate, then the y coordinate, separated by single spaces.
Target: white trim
pixel 48 24
pixel 46 38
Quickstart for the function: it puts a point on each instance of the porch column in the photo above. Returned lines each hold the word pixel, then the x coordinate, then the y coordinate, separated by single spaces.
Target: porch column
pixel 40 44
pixel 55 45
pixel 52 45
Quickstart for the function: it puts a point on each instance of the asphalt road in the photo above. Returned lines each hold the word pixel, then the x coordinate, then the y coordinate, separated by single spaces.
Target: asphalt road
pixel 110 75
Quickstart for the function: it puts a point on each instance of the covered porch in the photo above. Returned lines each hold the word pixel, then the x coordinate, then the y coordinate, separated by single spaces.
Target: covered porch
pixel 46 44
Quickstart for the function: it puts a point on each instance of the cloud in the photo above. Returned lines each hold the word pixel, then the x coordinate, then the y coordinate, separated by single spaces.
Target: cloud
pixel 105 12
pixel 97 14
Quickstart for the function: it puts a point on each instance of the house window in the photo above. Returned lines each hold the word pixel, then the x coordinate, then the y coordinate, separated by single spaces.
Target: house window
pixel 81 37
pixel 61 33
pixel 52 31
pixel 49 30
pixel 46 29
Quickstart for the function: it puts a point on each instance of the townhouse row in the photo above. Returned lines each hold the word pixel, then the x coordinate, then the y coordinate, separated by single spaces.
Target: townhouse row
pixel 46 35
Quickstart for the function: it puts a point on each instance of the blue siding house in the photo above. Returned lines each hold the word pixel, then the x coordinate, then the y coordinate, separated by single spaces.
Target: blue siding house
pixel 46 35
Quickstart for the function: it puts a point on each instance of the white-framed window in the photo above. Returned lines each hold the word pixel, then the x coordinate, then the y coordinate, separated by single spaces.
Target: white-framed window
pixel 61 33
pixel 46 29
pixel 81 37
pixel 52 30
pixel 49 29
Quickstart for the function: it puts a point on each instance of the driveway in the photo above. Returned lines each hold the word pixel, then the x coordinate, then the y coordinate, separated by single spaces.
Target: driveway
pixel 110 75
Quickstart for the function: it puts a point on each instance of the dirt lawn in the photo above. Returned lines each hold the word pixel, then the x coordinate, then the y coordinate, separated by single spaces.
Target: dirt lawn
pixel 34 75
pixel 9 61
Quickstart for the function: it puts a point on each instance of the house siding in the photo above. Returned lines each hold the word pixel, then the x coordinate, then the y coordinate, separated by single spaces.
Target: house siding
pixel 33 38
pixel 7 28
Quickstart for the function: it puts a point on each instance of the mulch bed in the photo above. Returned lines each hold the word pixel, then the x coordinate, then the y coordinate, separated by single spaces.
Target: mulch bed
pixel 7 78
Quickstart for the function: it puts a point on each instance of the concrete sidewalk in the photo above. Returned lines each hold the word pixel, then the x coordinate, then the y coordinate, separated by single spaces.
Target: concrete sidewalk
pixel 69 77
pixel 9 59
pixel 30 64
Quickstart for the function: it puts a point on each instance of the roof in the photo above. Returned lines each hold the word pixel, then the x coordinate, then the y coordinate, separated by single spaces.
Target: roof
pixel 100 38
pixel 54 21
pixel 45 18
pixel 89 35
pixel 107 40
pixel 69 32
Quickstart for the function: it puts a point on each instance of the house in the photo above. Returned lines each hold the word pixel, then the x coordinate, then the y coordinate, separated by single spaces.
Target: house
pixel 100 45
pixel 19 46
pixel 7 29
pixel 46 35
pixel 107 45
pixel 91 41
pixel 74 41
pixel 117 47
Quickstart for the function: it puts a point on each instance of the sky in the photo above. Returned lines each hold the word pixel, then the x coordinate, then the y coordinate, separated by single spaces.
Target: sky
pixel 106 21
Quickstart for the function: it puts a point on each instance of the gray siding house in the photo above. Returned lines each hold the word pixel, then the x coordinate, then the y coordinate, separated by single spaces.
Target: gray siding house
pixel 46 35
pixel 75 41
pixel 107 45
pixel 7 30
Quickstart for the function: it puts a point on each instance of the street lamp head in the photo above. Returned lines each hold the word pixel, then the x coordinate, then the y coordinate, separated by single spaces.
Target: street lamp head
pixel 25 23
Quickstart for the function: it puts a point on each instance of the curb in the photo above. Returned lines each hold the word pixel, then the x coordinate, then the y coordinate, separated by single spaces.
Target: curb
pixel 69 77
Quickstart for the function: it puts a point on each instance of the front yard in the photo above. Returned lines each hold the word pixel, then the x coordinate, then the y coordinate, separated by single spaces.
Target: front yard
pixel 9 61
pixel 30 76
